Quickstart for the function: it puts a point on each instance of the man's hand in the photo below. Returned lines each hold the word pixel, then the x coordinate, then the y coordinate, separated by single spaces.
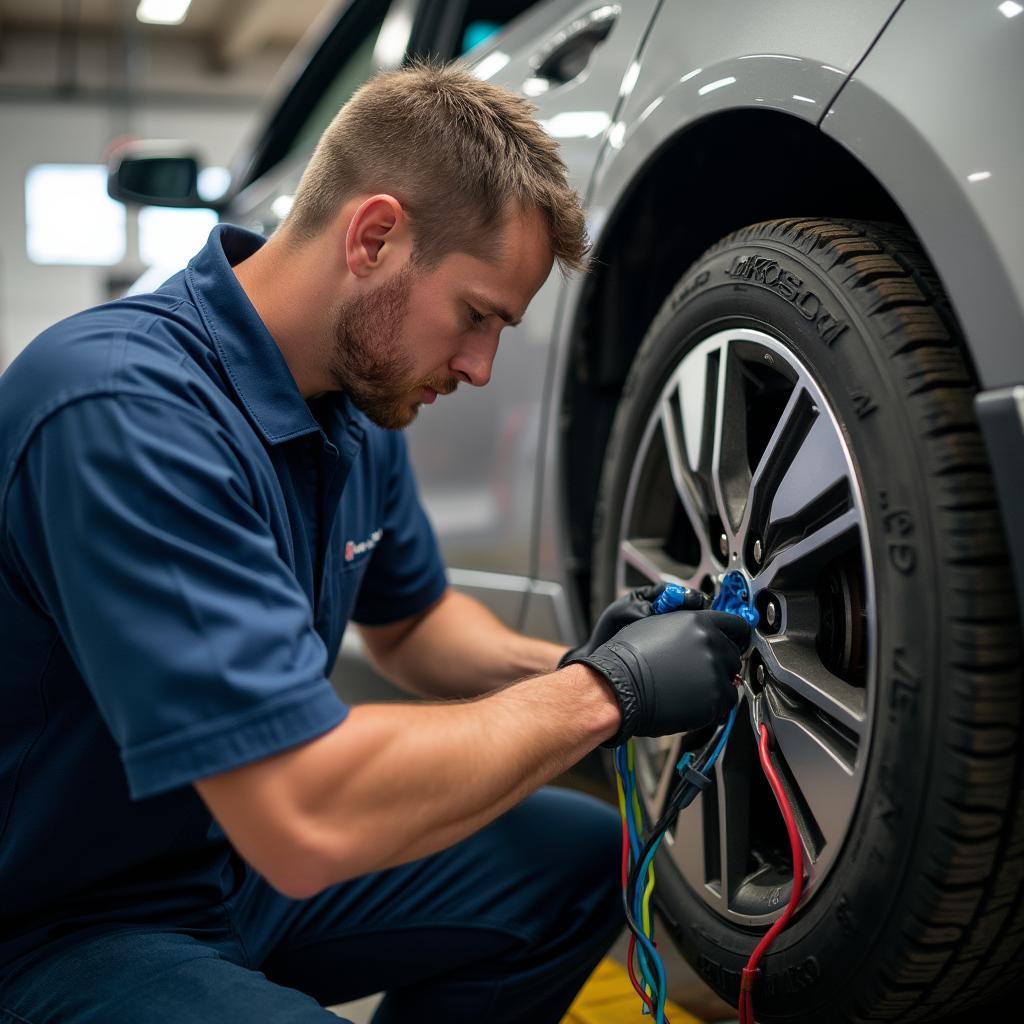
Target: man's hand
pixel 631 607
pixel 671 673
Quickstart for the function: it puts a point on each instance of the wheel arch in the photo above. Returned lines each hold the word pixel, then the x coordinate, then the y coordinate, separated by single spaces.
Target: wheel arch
pixel 704 183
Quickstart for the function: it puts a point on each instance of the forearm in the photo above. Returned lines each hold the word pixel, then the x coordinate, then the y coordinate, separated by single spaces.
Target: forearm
pixel 460 649
pixel 396 782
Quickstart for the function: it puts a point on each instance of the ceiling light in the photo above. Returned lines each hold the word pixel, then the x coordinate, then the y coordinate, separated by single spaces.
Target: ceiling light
pixel 162 12
pixel 1010 9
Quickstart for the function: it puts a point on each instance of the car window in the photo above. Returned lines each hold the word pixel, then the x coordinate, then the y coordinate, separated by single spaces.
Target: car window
pixel 478 20
pixel 353 71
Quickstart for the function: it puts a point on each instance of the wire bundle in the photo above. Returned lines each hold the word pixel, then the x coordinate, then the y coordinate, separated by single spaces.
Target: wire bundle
pixel 638 853
pixel 746 1006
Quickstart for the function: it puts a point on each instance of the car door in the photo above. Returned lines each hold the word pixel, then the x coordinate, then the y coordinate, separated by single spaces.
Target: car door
pixel 477 452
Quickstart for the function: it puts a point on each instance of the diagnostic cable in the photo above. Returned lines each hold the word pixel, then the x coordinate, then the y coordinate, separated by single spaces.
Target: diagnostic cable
pixel 640 845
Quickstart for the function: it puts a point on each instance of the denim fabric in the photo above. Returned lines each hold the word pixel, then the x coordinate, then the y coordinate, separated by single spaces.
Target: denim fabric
pixel 502 928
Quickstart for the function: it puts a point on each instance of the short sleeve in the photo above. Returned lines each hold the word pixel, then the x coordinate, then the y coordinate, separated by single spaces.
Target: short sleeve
pixel 135 522
pixel 406 572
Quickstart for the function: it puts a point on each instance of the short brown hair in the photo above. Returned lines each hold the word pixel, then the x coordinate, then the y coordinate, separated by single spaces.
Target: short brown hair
pixel 458 153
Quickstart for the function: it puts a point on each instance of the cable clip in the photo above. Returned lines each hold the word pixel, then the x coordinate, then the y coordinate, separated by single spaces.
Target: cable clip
pixel 696 778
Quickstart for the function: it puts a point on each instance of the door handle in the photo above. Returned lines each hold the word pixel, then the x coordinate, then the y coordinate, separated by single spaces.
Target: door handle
pixel 567 54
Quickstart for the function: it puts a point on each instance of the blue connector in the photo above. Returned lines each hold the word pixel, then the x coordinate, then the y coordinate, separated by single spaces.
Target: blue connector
pixel 670 599
pixel 734 597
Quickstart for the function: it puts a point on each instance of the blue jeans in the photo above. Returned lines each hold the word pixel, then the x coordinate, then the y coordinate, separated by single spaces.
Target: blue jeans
pixel 503 927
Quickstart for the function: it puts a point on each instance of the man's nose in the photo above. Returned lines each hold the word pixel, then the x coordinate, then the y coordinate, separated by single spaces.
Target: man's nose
pixel 474 360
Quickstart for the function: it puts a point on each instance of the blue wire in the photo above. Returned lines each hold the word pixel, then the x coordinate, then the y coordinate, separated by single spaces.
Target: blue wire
pixel 723 739
pixel 628 789
pixel 648 954
pixel 655 958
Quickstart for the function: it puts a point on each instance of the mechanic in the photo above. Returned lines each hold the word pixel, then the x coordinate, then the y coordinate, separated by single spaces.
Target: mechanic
pixel 199 488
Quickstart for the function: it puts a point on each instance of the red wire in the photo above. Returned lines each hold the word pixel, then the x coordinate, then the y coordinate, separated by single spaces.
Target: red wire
pixel 640 990
pixel 746 1006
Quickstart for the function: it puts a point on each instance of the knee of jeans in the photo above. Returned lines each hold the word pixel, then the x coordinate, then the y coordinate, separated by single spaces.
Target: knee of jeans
pixel 593 847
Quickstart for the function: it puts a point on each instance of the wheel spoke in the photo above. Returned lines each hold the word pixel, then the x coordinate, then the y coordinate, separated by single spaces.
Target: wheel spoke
pixel 687 845
pixel 820 772
pixel 815 485
pixel 817 546
pixel 730 471
pixel 670 747
pixel 687 487
pixel 796 665
pixel 732 783
pixel 789 434
pixel 649 559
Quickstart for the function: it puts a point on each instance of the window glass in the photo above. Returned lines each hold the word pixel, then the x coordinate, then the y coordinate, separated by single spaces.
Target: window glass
pixel 169 237
pixel 485 17
pixel 69 218
pixel 352 73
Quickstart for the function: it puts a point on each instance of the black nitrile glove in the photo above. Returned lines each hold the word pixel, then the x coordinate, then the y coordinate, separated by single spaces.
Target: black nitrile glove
pixel 672 673
pixel 631 607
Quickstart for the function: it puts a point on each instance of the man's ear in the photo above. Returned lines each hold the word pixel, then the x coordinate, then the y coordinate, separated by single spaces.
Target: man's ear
pixel 377 227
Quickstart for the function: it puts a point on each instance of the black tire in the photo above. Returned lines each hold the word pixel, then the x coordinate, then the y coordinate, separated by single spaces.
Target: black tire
pixel 920 916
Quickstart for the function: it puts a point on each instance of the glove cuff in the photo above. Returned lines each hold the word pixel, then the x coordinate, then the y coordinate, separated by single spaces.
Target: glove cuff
pixel 606 661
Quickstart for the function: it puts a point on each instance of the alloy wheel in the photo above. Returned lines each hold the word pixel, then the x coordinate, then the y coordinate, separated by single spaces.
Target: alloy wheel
pixel 743 466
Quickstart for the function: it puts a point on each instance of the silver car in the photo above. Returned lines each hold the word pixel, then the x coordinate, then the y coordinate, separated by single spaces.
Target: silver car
pixel 799 354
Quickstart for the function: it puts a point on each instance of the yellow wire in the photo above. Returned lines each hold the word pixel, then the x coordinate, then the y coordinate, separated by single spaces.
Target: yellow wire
pixel 622 794
pixel 646 922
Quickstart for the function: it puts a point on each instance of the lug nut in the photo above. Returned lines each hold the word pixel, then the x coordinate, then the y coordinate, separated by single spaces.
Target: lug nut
pixel 760 675
pixel 723 545
pixel 757 552
pixel 771 613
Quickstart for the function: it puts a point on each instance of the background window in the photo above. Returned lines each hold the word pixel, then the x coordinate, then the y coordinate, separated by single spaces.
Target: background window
pixel 69 218
pixel 169 237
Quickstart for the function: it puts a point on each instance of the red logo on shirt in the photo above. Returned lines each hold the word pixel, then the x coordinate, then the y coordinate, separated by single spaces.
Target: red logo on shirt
pixel 352 548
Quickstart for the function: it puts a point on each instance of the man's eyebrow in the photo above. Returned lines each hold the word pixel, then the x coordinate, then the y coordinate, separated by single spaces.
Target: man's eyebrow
pixel 497 310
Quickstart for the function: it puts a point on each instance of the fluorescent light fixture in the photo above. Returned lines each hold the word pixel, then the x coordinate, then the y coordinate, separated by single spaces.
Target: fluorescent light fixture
pixel 691 74
pixel 712 86
pixel 162 12
pixel 979 176
pixel 1010 9
pixel 803 99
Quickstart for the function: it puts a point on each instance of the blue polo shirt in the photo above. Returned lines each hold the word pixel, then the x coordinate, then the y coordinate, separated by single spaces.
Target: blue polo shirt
pixel 182 540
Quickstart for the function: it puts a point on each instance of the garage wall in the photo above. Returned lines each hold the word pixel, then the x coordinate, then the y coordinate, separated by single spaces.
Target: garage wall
pixel 172 92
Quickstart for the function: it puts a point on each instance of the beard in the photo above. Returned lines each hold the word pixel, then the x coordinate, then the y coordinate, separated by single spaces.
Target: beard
pixel 366 359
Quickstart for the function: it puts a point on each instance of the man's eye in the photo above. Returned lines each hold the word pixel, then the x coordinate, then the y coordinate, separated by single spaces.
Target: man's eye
pixel 476 317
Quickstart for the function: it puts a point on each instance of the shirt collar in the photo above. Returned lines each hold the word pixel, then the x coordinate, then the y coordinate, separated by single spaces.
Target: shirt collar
pixel 252 359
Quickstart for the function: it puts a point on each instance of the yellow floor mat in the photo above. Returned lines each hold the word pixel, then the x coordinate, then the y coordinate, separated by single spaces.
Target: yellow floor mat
pixel 608 998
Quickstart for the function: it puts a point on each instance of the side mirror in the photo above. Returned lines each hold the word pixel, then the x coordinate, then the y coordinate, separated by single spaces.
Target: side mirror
pixel 136 173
